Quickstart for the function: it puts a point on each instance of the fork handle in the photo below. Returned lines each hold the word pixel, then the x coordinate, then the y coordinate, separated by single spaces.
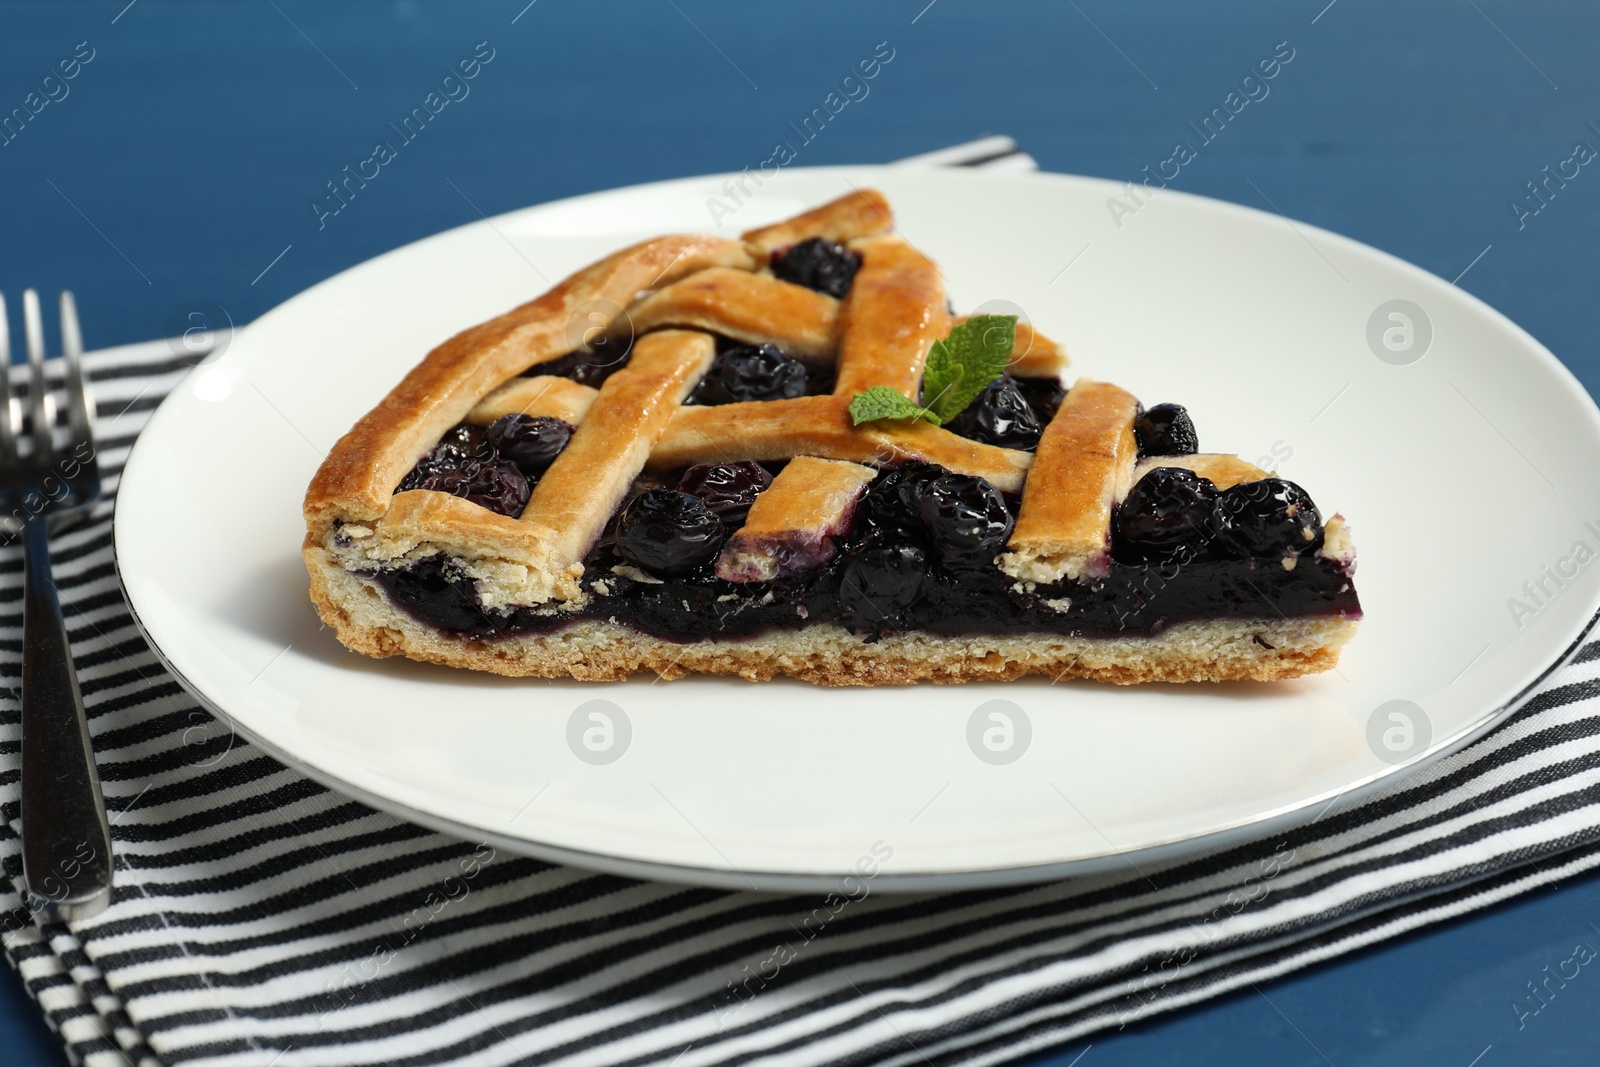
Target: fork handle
pixel 66 843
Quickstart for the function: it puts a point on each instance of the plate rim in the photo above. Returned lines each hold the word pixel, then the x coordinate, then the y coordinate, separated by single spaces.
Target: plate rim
pixel 1256 825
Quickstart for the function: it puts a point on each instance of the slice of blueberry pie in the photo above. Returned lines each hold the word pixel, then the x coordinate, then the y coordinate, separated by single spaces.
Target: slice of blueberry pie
pixel 786 455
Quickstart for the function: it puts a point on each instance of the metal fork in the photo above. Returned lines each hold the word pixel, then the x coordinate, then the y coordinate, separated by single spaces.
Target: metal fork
pixel 66 842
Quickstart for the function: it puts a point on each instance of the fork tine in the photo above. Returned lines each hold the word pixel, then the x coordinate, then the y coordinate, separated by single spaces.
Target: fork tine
pixel 80 402
pixel 38 395
pixel 8 407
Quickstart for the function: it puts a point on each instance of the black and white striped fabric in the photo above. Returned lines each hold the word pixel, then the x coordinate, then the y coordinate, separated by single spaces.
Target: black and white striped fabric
pixel 262 920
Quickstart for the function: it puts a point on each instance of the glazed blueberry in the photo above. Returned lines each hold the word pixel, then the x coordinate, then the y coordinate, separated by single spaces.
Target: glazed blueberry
pixel 1166 430
pixel 1268 518
pixel 1044 396
pixel 726 489
pixel 492 483
pixel 668 532
pixel 471 441
pixel 818 263
pixel 436 459
pixel 892 505
pixel 531 442
pixel 585 366
pixel 881 581
pixel 751 372
pixel 967 521
pixel 1169 515
pixel 1000 415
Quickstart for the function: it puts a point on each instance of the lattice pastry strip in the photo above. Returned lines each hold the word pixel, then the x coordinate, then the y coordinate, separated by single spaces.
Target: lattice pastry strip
pixel 761 309
pixel 754 308
pixel 1083 469
pixel 367 463
pixel 793 524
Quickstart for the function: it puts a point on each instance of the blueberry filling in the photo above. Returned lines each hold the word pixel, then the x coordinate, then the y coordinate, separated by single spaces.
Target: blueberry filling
pixel 1166 430
pixel 1001 415
pixel 1169 515
pixel 490 482
pixel 966 519
pixel 1044 396
pixel 751 372
pixel 471 441
pixel 1256 518
pixel 668 532
pixel 1175 515
pixel 878 583
pixel 726 489
pixel 435 590
pixel 531 442
pixel 587 366
pixel 817 263
pixel 494 467
pixel 918 557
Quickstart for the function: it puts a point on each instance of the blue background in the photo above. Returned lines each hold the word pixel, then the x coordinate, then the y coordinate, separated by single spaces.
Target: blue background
pixel 187 152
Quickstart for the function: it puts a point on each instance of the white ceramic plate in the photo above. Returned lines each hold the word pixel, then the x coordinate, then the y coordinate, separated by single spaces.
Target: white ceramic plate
pixel 1463 459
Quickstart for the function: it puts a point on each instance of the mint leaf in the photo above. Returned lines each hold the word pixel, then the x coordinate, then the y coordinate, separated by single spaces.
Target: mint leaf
pixel 881 402
pixel 971 356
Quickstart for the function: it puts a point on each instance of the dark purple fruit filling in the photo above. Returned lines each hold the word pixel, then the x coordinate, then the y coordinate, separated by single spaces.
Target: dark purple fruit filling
pixel 918 558
pixel 966 519
pixel 1269 517
pixel 1169 515
pixel 726 489
pixel 817 263
pixel 751 372
pixel 494 467
pixel 891 508
pixel 493 483
pixel 668 532
pixel 471 441
pixel 531 442
pixel 1001 415
pixel 1044 396
pixel 879 582
pixel 434 590
pixel 1174 515
pixel 1166 430
pixel 587 366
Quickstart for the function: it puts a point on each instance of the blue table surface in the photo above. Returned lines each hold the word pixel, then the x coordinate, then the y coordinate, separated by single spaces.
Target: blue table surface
pixel 181 161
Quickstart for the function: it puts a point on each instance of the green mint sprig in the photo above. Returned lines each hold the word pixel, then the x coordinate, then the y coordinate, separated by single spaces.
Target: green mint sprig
pixel 959 367
pixel 882 402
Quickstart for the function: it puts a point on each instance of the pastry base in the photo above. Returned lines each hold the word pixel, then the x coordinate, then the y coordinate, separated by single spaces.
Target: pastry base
pixel 1219 650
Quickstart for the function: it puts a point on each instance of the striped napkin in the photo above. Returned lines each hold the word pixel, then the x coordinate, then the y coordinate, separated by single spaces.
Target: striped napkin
pixel 261 920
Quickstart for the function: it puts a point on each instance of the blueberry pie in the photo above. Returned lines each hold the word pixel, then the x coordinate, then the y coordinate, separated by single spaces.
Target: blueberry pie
pixel 786 455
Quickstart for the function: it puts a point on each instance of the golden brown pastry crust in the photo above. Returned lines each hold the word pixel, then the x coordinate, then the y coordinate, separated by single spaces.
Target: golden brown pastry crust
pixel 760 309
pixel 807 505
pixel 753 308
pixel 893 313
pixel 576 497
pixel 358 476
pixel 543 394
pixel 1081 470
pixel 821 426
pixel 855 214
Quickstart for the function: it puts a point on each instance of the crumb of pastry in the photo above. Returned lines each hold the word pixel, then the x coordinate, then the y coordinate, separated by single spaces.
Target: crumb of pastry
pixel 1045 563
pixel 1337 544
